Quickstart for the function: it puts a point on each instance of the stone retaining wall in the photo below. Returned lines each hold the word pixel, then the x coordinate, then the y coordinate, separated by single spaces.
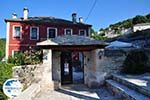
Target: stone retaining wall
pixel 99 64
pixel 110 61
pixel 25 74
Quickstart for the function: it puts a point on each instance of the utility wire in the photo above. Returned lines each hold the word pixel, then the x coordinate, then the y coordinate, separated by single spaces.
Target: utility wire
pixel 91 10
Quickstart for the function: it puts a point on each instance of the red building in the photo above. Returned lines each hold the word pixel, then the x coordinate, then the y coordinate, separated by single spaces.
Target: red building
pixel 23 33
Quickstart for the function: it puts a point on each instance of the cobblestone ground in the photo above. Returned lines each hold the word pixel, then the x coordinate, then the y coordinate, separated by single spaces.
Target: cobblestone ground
pixel 75 92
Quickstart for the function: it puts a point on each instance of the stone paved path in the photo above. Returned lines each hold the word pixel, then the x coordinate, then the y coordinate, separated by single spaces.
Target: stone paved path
pixel 75 92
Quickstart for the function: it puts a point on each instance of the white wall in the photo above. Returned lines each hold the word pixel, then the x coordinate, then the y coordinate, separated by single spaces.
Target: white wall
pixel 47 81
pixel 93 72
pixel 7 39
pixel 139 28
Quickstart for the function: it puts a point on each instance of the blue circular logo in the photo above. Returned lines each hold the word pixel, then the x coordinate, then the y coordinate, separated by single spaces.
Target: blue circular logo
pixel 12 88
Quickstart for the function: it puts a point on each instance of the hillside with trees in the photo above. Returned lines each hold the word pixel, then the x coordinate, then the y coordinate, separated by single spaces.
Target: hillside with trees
pixel 122 25
pixel 129 22
pixel 2 48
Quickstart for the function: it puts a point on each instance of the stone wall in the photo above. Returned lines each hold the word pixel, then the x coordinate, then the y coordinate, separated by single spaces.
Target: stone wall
pixel 110 61
pixel 89 67
pixel 25 74
pixel 56 66
pixel 41 74
pixel 99 64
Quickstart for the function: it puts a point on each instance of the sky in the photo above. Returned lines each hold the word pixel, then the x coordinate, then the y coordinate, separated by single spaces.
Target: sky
pixel 104 13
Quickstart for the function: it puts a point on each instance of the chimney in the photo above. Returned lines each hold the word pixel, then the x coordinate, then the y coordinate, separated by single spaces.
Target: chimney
pixel 80 19
pixel 25 13
pixel 14 16
pixel 74 18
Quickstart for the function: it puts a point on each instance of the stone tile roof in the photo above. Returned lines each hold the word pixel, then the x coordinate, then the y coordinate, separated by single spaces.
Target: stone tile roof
pixel 71 40
pixel 46 20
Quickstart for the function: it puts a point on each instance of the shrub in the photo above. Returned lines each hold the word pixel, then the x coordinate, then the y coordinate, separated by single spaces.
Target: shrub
pixel 0 55
pixel 3 97
pixel 5 73
pixel 33 57
pixel 18 59
pixel 2 48
pixel 28 57
pixel 11 60
pixel 135 62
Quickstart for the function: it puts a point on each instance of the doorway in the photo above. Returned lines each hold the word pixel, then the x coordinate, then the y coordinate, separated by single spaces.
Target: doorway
pixel 66 68
pixel 78 67
pixel 72 68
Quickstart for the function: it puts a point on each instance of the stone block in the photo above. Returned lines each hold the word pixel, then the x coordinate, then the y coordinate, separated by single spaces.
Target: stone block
pixel 93 83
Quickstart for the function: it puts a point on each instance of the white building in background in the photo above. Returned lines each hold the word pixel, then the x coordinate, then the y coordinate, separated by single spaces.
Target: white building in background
pixel 110 33
pixel 126 30
pixel 140 27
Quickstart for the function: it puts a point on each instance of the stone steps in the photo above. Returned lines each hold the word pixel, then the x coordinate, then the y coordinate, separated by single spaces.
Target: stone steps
pixel 123 92
pixel 131 85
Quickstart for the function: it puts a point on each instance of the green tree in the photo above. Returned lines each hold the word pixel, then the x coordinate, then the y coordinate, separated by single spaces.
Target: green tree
pixel 92 30
pixel 98 36
pixel 135 62
pixel 101 29
pixel 148 17
pixel 139 19
pixel 2 48
pixel 0 55
pixel 127 23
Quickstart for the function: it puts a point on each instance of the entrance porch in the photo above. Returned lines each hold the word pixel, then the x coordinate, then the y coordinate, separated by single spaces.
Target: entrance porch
pixel 71 60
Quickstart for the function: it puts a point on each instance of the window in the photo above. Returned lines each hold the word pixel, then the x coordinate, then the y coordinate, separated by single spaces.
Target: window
pixel 51 32
pixel 17 31
pixel 34 33
pixel 68 31
pixel 82 32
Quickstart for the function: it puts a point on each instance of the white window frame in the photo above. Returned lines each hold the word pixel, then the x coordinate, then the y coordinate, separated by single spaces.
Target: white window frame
pixel 37 32
pixel 67 29
pixel 84 32
pixel 13 35
pixel 48 31
pixel 89 32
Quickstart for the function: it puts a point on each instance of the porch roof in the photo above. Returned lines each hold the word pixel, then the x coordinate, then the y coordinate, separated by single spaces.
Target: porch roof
pixel 72 42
